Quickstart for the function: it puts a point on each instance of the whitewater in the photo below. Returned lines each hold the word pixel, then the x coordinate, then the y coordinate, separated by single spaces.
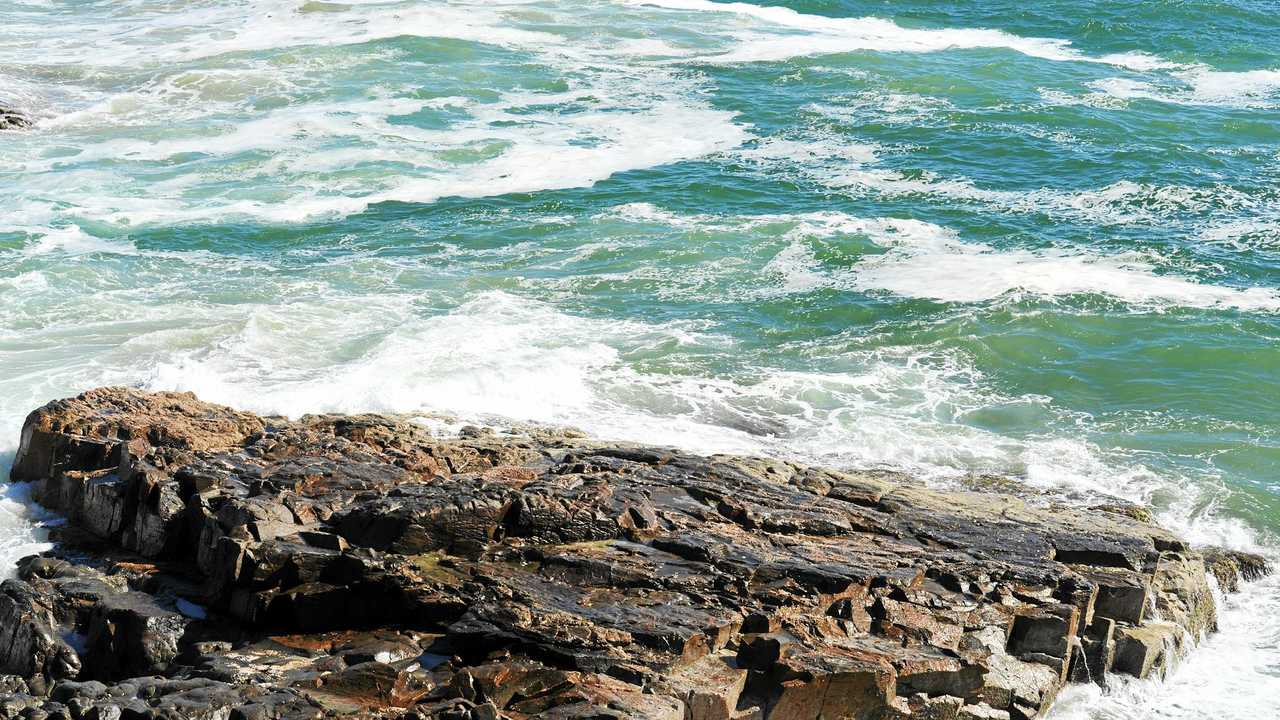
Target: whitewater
pixel 1040 242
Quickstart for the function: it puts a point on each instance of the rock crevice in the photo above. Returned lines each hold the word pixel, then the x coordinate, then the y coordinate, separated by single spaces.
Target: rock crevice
pixel 216 564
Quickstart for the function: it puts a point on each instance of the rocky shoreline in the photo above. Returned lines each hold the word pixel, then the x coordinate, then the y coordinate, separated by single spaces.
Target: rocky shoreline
pixel 216 564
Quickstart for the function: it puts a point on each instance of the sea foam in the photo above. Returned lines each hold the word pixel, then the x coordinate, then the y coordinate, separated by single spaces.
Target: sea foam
pixel 810 35
pixel 320 157
pixel 939 266
pixel 20 532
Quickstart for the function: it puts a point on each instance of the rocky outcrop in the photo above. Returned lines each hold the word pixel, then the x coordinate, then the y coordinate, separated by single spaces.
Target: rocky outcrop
pixel 220 565
pixel 13 120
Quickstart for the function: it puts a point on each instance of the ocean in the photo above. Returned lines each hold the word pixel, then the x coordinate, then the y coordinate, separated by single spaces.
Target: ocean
pixel 1038 240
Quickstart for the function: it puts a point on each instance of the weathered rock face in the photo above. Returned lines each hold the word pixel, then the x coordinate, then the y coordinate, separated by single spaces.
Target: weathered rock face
pixel 217 564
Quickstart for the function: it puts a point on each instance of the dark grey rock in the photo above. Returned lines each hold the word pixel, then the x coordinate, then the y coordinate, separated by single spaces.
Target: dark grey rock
pixel 360 565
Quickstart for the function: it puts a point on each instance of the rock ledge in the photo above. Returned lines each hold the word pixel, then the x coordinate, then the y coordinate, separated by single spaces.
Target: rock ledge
pixel 219 565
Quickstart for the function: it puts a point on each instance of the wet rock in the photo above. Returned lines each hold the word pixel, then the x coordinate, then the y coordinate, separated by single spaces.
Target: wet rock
pixel 1182 594
pixel 220 565
pixel 30 643
pixel 1045 632
pixel 372 685
pixel 1122 596
pixel 1095 653
pixel 1012 685
pixel 129 635
pixel 1230 568
pixel 1140 651
pixel 11 119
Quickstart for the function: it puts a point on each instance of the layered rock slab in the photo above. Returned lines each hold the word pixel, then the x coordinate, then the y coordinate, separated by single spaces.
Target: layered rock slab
pixel 219 564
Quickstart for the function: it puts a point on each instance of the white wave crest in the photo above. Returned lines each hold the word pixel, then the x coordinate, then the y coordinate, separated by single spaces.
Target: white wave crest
pixel 203 29
pixel 1247 88
pixel 928 261
pixel 577 151
pixel 579 117
pixel 1196 85
pixel 938 266
pixel 20 532
pixel 821 35
pixel 852 167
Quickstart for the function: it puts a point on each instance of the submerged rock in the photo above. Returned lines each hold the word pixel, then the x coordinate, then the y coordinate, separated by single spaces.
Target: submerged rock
pixel 361 565
pixel 13 120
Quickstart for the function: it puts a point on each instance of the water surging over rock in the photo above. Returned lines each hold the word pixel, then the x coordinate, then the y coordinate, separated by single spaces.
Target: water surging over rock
pixel 216 561
pixel 13 120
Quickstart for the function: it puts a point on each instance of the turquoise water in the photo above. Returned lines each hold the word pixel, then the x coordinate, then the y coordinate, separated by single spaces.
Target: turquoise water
pixel 1034 239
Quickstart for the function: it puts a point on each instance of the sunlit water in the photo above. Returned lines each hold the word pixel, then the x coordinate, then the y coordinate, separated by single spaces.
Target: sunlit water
pixel 1037 239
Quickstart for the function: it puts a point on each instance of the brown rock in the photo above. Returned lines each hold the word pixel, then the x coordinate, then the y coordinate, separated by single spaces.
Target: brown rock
pixel 1140 651
pixel 360 565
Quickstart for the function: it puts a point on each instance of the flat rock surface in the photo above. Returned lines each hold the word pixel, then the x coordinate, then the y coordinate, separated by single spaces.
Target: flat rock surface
pixel 216 564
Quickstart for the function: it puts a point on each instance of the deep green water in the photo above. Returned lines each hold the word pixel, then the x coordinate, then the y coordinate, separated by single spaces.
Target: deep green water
pixel 1034 239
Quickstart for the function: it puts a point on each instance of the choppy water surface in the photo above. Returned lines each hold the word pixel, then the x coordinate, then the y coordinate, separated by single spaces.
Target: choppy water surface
pixel 1038 239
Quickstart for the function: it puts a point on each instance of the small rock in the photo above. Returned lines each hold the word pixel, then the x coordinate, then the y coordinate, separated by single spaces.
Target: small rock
pixel 13 120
